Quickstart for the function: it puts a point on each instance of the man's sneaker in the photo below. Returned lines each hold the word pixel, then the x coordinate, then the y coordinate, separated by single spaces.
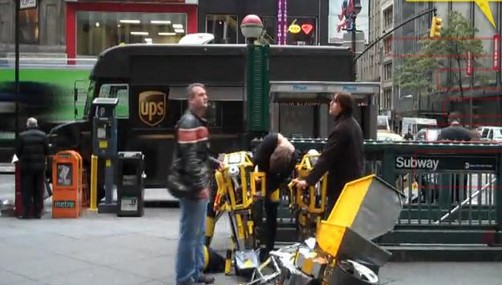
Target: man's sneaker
pixel 206 279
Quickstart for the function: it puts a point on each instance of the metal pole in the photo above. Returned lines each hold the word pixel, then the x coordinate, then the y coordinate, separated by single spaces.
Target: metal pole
pixel 470 102
pixel 354 16
pixel 393 29
pixel 16 72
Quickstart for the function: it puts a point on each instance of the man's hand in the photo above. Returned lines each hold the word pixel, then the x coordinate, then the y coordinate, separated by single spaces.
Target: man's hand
pixel 300 184
pixel 257 196
pixel 220 166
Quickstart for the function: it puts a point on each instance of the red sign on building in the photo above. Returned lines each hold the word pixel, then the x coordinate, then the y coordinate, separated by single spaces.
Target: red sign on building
pixel 469 64
pixel 496 52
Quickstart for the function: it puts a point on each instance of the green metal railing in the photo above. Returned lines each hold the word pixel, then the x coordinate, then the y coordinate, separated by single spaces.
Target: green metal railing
pixel 453 191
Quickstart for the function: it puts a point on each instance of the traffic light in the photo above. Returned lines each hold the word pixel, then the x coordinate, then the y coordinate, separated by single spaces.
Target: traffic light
pixel 435 27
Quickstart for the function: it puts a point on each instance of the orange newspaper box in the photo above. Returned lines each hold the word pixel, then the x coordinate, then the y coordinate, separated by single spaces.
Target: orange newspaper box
pixel 67 184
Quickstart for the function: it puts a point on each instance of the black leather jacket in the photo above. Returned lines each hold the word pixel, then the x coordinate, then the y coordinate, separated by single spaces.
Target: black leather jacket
pixel 193 151
pixel 32 149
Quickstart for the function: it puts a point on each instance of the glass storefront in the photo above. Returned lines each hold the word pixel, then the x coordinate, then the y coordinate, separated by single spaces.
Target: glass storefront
pixel 97 31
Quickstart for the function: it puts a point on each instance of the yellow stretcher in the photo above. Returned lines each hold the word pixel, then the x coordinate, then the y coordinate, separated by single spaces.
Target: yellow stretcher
pixel 308 206
pixel 237 189
pixel 340 250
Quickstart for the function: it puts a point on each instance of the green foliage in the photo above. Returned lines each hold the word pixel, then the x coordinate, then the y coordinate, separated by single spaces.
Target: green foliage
pixel 457 39
pixel 415 73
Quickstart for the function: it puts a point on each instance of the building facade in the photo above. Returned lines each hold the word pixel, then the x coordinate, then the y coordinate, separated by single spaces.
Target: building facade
pixel 84 28
pixel 223 17
pixel 378 62
pixel 481 103
pixel 41 29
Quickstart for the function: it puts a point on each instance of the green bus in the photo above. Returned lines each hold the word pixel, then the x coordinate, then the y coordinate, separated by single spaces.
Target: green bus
pixel 46 92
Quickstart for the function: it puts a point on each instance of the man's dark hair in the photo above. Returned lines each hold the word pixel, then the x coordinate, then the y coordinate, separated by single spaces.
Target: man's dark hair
pixel 190 88
pixel 454 117
pixel 346 101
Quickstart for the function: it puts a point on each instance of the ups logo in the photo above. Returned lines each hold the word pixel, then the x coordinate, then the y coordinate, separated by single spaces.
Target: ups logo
pixel 152 107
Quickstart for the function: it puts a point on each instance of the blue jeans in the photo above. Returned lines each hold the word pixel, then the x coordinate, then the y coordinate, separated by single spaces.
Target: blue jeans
pixel 190 254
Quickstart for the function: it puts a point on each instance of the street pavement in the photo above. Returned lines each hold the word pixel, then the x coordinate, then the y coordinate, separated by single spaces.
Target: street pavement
pixel 106 249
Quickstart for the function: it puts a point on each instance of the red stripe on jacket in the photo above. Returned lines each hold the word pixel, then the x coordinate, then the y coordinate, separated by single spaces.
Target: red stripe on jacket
pixel 193 135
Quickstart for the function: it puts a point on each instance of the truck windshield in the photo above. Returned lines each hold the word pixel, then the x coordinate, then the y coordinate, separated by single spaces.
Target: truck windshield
pixel 120 91
pixel 383 123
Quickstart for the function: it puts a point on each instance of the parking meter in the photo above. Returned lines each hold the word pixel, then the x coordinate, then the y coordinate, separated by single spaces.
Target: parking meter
pixel 105 146
pixel 105 127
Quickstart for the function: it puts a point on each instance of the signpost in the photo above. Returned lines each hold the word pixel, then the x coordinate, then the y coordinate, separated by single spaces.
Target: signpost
pixel 20 5
pixel 496 52
pixel 446 163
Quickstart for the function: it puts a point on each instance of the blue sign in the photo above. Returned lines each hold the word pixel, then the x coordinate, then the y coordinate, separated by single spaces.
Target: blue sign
pixel 299 87
pixel 350 88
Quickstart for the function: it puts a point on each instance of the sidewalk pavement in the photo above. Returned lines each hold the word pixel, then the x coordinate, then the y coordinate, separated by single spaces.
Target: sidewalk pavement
pixel 106 249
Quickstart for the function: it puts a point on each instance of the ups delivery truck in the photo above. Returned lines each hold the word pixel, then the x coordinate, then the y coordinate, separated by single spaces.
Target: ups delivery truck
pixel 150 81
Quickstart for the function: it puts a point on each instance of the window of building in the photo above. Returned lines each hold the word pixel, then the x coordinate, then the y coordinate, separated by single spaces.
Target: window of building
pixel 387 71
pixel 388 17
pixel 270 27
pixel 97 31
pixel 387 99
pixel 28 26
pixel 302 31
pixel 224 28
pixel 387 43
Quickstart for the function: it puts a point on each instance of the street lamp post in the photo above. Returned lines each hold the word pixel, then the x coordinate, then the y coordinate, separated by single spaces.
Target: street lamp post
pixel 355 10
pixel 251 28
pixel 257 79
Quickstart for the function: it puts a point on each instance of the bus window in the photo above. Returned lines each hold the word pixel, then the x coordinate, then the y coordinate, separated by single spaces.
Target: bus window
pixel 88 101
pixel 120 91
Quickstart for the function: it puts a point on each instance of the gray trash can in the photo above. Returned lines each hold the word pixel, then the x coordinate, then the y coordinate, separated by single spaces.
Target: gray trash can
pixel 130 184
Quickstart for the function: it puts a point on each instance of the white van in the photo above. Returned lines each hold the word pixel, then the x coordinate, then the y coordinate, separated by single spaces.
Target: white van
pixel 490 133
pixel 383 123
pixel 416 124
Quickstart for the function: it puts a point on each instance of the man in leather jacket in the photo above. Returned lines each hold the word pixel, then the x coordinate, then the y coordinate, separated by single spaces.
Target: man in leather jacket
pixel 343 154
pixel 193 150
pixel 32 149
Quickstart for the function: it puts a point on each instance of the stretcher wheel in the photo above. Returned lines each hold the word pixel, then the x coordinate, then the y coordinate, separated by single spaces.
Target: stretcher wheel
pixel 349 272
